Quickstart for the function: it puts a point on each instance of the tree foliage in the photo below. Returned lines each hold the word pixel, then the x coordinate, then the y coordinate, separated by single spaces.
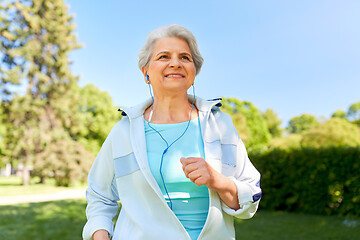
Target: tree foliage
pixel 273 123
pixel 301 123
pixel 2 135
pixel 97 113
pixel 354 112
pixel 63 159
pixel 339 114
pixel 335 132
pixel 248 121
pixel 37 37
pixel 291 141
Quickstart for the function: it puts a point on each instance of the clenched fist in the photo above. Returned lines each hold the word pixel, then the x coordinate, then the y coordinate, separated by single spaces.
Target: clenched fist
pixel 201 173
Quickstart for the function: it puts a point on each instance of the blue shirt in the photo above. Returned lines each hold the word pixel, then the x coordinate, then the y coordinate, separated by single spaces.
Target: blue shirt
pixel 190 202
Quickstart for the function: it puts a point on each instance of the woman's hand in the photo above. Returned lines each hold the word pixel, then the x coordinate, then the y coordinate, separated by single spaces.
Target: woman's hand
pixel 101 235
pixel 201 173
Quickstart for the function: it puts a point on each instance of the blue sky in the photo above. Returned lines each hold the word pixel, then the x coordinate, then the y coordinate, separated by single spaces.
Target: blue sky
pixel 294 57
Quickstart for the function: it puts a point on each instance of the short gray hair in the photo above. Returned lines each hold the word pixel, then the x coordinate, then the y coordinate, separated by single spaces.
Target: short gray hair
pixel 170 31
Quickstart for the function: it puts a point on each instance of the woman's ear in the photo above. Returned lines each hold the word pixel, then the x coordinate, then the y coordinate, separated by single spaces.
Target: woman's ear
pixel 146 76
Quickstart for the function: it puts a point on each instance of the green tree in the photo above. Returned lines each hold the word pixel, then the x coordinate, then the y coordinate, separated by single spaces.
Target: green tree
pixel 7 76
pixel 63 159
pixel 37 37
pixel 2 135
pixel 339 114
pixel 252 124
pixel 335 132
pixel 51 150
pixel 301 123
pixel 353 113
pixel 291 141
pixel 273 123
pixel 98 115
pixel 243 129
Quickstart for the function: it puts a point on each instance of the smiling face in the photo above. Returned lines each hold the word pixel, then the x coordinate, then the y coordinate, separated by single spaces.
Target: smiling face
pixel 171 68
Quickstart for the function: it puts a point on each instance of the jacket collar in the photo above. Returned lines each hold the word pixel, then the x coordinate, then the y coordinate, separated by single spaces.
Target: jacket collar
pixel 201 104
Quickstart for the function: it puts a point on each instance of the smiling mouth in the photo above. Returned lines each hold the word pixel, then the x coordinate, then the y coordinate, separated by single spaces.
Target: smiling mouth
pixel 174 76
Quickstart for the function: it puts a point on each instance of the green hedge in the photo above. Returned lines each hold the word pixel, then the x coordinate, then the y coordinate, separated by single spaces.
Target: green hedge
pixel 318 181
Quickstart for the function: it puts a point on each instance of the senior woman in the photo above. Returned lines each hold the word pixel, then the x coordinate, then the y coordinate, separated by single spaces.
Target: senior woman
pixel 175 162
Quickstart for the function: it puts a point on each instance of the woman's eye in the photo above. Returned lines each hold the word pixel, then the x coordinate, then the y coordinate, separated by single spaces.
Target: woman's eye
pixel 163 57
pixel 187 58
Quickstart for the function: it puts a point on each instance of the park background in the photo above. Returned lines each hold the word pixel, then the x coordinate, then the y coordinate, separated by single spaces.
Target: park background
pixel 288 73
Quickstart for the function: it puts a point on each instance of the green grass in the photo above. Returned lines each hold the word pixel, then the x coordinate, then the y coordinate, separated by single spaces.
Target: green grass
pixel 11 186
pixel 43 221
pixel 282 225
pixel 65 220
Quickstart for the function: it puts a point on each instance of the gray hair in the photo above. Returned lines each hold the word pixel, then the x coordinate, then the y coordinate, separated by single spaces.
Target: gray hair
pixel 170 31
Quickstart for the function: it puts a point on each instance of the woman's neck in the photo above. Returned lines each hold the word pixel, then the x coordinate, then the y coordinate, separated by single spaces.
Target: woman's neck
pixel 170 109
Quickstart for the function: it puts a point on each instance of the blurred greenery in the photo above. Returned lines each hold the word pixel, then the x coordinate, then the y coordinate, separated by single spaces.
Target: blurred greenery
pixel 301 123
pixel 65 220
pixel 311 180
pixel 273 123
pixel 271 225
pixel 291 141
pixel 37 37
pixel 335 132
pixel 43 221
pixel 11 186
pixel 248 120
pixel 98 116
pixel 339 114
pixel 56 127
pixel 2 136
pixel 354 111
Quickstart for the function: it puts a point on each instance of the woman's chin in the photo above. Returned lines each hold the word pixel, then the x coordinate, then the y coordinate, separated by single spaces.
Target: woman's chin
pixel 176 86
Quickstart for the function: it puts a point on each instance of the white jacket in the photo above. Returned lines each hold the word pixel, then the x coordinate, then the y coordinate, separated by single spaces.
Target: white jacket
pixel 121 172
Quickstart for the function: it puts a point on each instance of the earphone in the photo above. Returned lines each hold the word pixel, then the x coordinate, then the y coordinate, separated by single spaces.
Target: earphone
pixel 147 79
pixel 167 144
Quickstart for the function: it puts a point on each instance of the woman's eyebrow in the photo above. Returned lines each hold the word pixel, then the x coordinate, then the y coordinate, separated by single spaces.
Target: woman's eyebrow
pixel 167 52
pixel 185 53
pixel 162 52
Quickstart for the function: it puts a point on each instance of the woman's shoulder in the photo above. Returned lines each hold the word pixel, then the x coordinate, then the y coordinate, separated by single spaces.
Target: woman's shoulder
pixel 121 127
pixel 221 116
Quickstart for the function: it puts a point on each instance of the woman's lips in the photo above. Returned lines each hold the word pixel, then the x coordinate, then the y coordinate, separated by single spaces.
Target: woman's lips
pixel 174 76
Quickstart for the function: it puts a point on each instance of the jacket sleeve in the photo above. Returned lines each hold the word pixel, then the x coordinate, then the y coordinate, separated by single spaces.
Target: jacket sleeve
pixel 245 175
pixel 101 193
pixel 247 181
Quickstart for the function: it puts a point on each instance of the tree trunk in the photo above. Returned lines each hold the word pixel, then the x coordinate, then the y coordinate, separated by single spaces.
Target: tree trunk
pixel 26 176
pixel 42 179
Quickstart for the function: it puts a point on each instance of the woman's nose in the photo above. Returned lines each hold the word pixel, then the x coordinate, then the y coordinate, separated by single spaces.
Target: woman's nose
pixel 175 63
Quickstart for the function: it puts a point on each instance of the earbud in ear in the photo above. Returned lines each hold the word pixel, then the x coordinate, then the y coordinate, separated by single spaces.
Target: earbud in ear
pixel 147 79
